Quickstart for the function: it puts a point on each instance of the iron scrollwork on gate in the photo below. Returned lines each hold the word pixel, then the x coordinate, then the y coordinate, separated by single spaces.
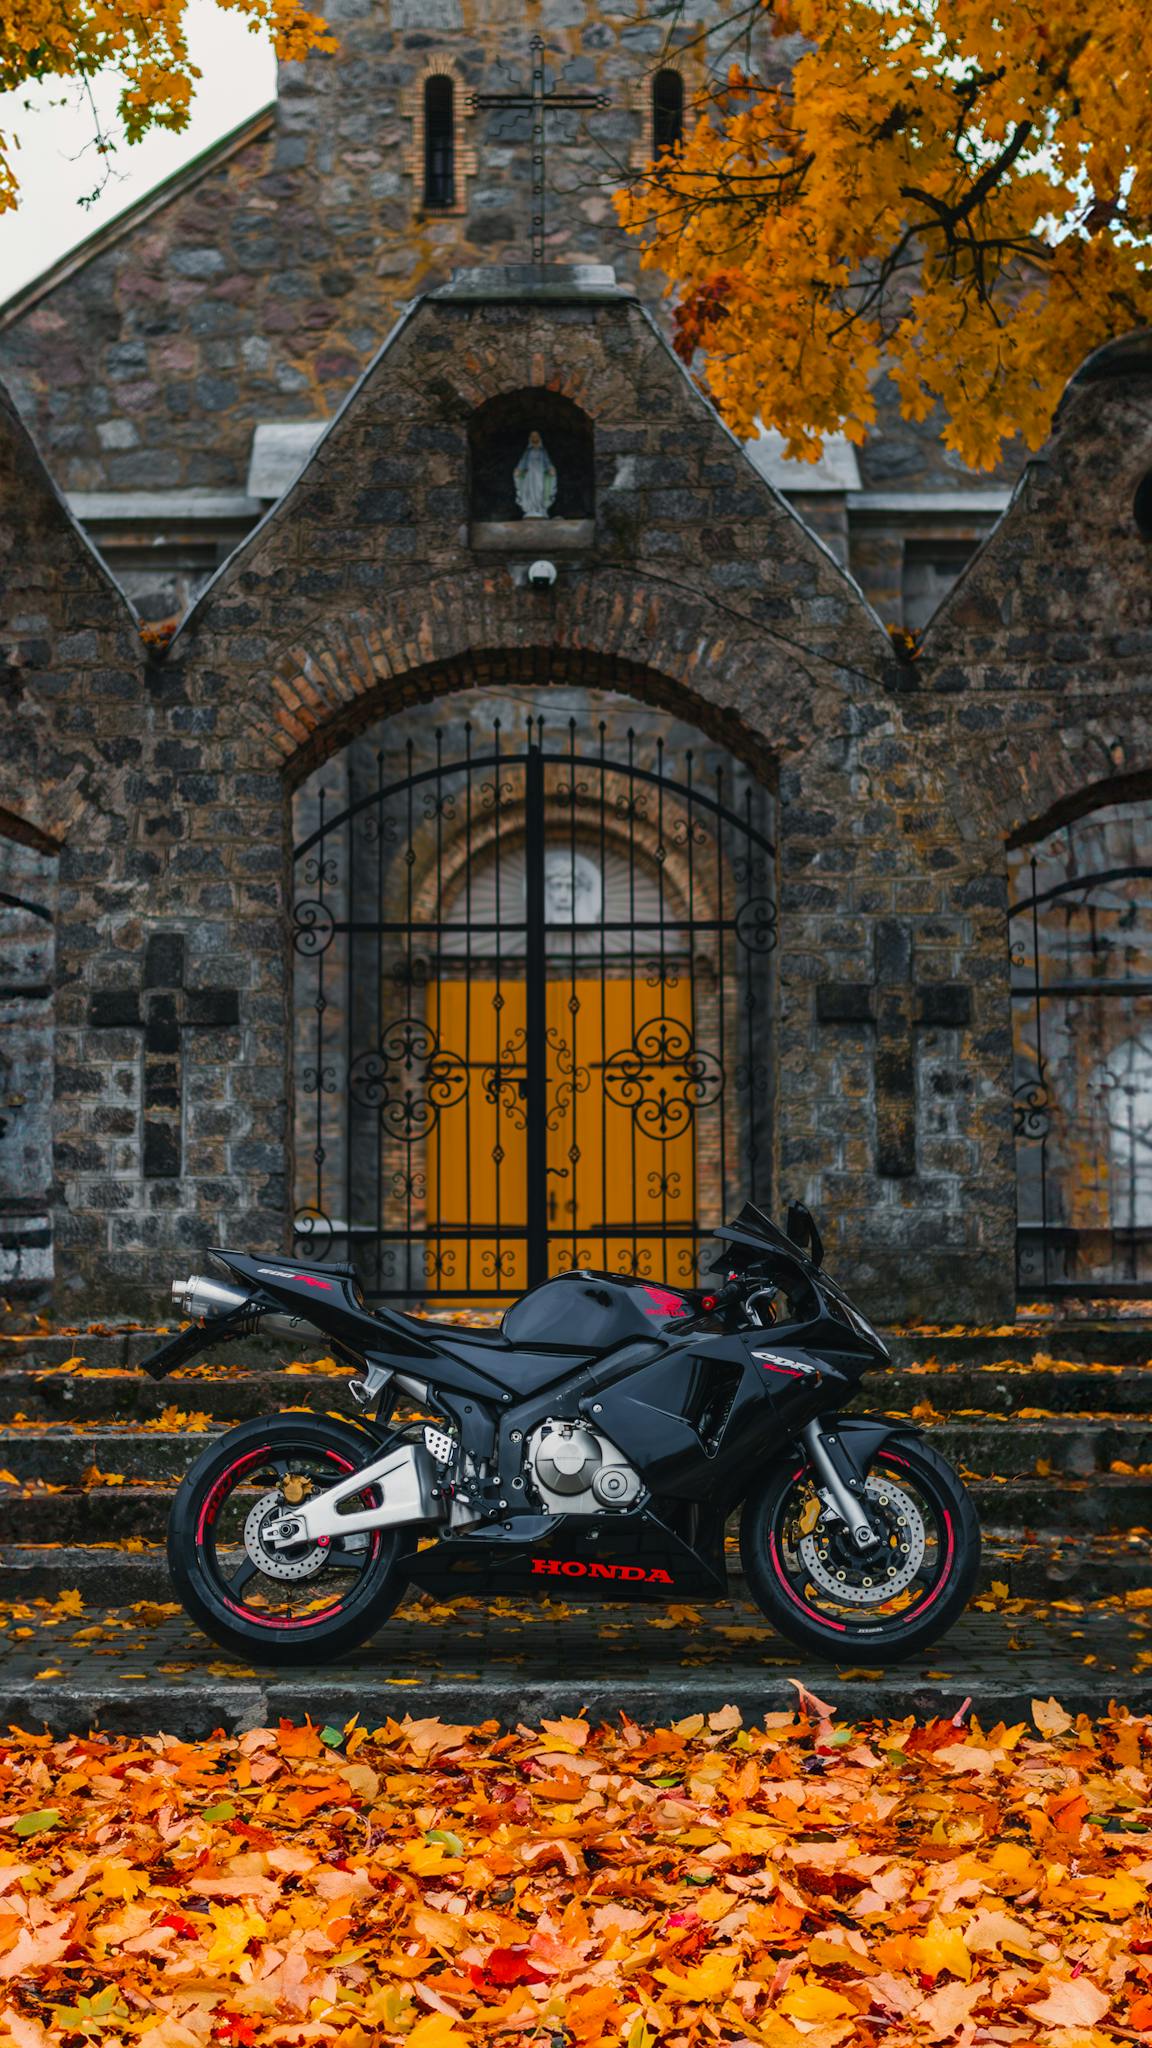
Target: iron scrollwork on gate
pixel 663 1078
pixel 408 1079
pixel 530 991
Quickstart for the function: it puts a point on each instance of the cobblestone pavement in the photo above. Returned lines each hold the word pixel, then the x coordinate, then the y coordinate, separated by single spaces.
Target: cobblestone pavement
pixel 146 1667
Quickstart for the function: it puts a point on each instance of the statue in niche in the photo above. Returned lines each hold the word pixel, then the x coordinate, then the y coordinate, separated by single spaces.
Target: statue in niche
pixel 573 887
pixel 535 480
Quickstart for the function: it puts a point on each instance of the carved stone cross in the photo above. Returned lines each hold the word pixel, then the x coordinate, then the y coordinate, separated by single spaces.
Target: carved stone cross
pixel 541 100
pixel 163 1010
pixel 895 1005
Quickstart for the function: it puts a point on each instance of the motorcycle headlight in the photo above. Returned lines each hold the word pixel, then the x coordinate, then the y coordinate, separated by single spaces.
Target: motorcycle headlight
pixel 865 1329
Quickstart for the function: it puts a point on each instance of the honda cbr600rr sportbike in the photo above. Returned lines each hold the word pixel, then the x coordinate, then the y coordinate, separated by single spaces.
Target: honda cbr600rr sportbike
pixel 598 1442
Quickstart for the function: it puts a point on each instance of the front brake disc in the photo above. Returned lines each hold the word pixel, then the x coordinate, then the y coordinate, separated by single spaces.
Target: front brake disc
pixel 868 1580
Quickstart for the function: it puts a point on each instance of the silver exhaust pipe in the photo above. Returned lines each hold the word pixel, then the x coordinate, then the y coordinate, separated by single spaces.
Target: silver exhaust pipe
pixel 199 1299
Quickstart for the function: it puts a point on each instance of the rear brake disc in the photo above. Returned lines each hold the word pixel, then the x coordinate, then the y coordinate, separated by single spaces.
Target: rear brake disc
pixel 278 1564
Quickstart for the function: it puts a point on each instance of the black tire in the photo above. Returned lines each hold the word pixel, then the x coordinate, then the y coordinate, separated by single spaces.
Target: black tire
pixel 361 1573
pixel 840 1630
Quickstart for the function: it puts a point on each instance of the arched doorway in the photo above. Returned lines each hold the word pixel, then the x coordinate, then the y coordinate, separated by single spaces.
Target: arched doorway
pixel 1080 919
pixel 532 949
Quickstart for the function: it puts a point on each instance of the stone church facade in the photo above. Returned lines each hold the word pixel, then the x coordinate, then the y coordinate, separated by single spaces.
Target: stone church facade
pixel 858 925
pixel 174 367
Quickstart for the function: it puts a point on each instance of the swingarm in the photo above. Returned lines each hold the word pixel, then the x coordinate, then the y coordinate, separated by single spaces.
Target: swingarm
pixel 409 1480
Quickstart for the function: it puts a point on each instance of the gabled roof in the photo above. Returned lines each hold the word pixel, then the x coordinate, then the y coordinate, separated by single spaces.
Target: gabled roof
pixel 161 195
pixel 498 285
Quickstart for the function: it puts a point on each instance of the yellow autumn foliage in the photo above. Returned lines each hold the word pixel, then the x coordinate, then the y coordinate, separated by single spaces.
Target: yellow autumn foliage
pixel 953 190
pixel 145 43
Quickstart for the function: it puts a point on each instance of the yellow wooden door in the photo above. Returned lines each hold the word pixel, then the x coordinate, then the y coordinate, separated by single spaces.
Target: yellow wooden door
pixel 621 1152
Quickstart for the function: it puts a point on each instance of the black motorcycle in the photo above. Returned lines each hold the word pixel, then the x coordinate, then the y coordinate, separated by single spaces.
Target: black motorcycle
pixel 598 1441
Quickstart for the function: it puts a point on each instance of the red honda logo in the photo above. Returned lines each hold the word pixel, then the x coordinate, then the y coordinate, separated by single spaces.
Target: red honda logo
pixel 664 1303
pixel 575 1568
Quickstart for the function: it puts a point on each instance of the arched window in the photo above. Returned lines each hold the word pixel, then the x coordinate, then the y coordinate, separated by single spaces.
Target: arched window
pixel 1122 1085
pixel 1080 918
pixel 27 1041
pixel 667 111
pixel 439 143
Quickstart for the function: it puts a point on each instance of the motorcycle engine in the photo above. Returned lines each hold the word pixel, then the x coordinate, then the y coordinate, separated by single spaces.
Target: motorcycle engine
pixel 576 1471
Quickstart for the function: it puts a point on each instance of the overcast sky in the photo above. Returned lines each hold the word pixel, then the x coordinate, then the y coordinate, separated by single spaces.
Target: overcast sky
pixel 57 167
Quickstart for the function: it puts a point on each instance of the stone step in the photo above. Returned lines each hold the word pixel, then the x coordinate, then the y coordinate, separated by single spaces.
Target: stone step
pixel 121 1349
pixel 1109 1503
pixel 1046 1569
pixel 113 1395
pixel 1026 1345
pixel 145 1675
pixel 1007 1390
pixel 103 1514
pixel 1012 1509
pixel 1066 1447
pixel 244 1389
pixel 1117 1343
pixel 1062 1447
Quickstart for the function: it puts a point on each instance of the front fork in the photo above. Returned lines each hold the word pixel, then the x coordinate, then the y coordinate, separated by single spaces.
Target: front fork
pixel 839 1484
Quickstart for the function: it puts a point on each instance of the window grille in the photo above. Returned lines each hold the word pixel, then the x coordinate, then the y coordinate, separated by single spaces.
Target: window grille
pixel 439 143
pixel 667 111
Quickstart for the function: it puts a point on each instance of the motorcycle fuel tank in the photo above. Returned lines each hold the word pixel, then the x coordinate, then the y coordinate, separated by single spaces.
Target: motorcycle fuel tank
pixel 591 1312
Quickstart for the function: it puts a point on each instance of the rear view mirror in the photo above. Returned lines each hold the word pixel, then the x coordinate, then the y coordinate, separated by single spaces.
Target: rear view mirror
pixel 801 1228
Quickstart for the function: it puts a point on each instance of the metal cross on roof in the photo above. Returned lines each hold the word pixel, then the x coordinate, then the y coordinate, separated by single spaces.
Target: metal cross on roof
pixel 540 99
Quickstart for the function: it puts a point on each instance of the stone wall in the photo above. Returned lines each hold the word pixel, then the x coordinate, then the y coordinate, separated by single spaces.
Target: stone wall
pixel 71 684
pixel 267 281
pixel 166 784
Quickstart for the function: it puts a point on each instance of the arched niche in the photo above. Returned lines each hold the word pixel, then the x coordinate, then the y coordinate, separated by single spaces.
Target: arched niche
pixel 509 506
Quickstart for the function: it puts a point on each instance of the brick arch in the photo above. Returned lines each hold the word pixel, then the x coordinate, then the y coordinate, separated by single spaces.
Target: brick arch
pixel 46 810
pixel 765 702
pixel 25 831
pixel 1017 790
pixel 1068 560
pixel 1126 788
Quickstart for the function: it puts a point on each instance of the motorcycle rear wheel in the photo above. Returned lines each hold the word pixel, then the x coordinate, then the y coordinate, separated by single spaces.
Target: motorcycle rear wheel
pixel 290 1608
pixel 827 1599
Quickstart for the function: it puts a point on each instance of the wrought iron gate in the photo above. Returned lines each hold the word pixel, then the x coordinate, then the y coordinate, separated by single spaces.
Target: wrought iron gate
pixel 1081 928
pixel 532 1007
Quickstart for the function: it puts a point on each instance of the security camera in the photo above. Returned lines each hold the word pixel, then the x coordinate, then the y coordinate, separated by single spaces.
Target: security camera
pixel 541 574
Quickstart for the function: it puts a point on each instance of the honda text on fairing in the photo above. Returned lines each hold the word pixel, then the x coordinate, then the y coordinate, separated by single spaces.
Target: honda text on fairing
pixel 601 1438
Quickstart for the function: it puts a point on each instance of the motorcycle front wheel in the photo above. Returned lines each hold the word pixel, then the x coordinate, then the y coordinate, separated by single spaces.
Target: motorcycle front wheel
pixel 820 1592
pixel 303 1605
